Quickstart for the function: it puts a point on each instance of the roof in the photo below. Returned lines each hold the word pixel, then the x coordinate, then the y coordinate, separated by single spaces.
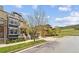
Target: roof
pixel 22 20
pixel 17 13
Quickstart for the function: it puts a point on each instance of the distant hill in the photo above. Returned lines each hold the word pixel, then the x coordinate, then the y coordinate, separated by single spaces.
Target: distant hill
pixel 70 26
pixel 71 30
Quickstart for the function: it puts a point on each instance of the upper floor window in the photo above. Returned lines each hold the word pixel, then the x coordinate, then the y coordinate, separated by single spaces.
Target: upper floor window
pixel 16 31
pixel 1 21
pixel 13 21
pixel 13 31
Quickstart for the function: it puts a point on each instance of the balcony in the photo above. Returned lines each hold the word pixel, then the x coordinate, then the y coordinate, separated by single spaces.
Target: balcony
pixel 12 25
pixel 13 22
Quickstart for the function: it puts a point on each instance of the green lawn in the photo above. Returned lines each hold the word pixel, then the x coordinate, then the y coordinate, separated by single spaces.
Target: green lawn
pixel 19 47
pixel 69 32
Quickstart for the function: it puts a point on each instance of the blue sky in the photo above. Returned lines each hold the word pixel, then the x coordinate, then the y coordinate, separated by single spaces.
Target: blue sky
pixel 58 15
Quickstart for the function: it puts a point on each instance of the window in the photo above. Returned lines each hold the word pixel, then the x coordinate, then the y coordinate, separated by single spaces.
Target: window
pixel 15 31
pixel 1 21
pixel 13 21
pixel 11 31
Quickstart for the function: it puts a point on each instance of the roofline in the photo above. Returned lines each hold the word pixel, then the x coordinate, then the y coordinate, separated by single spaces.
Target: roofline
pixel 17 13
pixel 5 11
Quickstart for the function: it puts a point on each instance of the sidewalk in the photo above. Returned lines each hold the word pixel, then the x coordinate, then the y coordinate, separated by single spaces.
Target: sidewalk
pixel 46 38
pixel 4 45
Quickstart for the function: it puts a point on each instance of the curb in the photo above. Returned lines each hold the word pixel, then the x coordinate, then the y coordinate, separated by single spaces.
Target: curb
pixel 30 48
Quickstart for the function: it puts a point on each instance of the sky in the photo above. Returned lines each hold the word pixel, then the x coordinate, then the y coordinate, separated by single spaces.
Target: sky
pixel 58 15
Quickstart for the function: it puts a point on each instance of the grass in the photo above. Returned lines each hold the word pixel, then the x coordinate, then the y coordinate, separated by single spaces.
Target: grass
pixel 21 46
pixel 69 32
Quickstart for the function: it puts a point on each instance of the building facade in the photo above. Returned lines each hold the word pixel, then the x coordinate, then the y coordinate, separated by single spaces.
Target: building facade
pixel 13 26
pixel 10 24
pixel 3 26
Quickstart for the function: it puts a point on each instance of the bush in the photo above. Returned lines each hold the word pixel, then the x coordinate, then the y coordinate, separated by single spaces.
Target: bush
pixel 14 41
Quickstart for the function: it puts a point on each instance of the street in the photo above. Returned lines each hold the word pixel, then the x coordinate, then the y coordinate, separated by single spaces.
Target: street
pixel 57 45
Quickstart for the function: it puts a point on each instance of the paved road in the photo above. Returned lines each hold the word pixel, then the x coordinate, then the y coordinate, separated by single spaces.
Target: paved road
pixel 64 44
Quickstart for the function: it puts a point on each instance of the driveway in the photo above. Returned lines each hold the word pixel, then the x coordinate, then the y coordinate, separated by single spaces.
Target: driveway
pixel 57 45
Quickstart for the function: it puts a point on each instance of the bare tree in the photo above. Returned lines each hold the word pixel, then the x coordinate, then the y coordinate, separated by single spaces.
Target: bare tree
pixel 36 20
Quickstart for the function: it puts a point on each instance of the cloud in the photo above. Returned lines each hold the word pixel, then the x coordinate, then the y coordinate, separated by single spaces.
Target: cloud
pixel 62 7
pixel 74 13
pixel 65 8
pixel 34 7
pixel 48 17
pixel 18 6
pixel 72 19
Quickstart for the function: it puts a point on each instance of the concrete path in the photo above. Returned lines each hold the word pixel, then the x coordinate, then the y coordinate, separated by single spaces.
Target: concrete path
pixel 55 45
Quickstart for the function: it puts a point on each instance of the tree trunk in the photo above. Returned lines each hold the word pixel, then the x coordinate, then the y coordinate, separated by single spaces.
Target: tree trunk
pixel 34 39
